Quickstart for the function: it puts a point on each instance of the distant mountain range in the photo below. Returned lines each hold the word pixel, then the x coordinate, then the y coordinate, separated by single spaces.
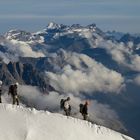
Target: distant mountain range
pixel 82 60
pixel 17 44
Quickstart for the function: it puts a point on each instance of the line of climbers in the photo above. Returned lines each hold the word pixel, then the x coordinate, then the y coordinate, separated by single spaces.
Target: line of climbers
pixel 83 108
pixel 64 103
pixel 12 91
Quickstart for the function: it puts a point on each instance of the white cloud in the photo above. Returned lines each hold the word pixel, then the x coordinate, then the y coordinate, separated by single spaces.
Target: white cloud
pixel 135 62
pixel 100 115
pixel 83 74
pixel 122 54
pixel 137 80
pixel 34 98
pixel 16 49
pixel 4 57
pixel 23 49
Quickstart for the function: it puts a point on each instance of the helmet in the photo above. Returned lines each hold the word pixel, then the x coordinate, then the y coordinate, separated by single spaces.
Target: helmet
pixel 87 102
pixel 68 98
pixel 0 82
pixel 16 83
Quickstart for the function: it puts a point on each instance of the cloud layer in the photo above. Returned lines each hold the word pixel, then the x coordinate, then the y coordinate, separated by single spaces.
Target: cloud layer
pixel 16 49
pixel 83 74
pixel 122 53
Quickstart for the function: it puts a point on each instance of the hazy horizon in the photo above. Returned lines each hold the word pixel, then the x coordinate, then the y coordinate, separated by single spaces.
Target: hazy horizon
pixel 120 15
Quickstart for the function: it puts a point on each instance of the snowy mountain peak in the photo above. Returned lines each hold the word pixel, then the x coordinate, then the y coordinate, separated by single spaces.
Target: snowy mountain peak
pixel 91 26
pixel 24 36
pixel 76 26
pixel 53 25
pixel 16 34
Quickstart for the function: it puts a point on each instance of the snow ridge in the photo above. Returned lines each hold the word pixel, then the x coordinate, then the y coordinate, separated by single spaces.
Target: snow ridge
pixel 19 123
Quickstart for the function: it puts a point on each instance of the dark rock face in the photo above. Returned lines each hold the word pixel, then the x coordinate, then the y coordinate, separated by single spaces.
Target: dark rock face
pixel 23 73
pixel 127 37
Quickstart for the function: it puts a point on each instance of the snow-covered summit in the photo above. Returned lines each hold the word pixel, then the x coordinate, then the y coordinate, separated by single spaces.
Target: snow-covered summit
pixel 24 36
pixel 53 25
pixel 19 123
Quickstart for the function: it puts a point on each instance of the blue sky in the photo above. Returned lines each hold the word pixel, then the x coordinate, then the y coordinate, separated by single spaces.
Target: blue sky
pixel 34 15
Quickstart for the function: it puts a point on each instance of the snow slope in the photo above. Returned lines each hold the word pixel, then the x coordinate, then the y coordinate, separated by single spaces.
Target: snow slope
pixel 19 123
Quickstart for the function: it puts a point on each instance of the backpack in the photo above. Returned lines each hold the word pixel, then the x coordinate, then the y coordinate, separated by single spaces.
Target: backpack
pixel 62 101
pixel 11 89
pixel 81 108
